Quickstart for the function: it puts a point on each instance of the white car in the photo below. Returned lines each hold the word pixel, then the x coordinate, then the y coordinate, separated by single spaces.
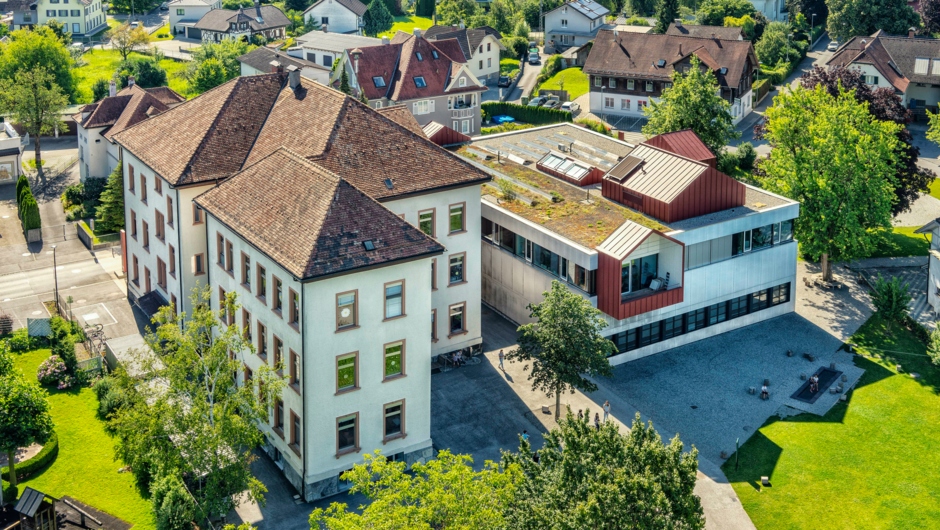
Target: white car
pixel 570 106
pixel 833 46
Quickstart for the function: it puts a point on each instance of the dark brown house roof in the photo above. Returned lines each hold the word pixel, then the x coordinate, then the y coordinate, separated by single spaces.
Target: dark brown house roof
pixel 402 116
pixel 639 55
pixel 893 57
pixel 398 65
pixel 311 221
pixel 708 32
pixel 259 18
pixel 260 59
pixel 128 107
pixel 355 6
pixel 469 39
pixel 242 121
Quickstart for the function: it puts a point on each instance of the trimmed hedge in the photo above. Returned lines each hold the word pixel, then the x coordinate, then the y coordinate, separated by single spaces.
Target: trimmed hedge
pixel 9 492
pixel 21 183
pixel 35 464
pixel 525 113
pixel 29 212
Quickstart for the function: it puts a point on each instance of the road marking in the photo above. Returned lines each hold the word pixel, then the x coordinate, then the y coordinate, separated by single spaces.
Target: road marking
pixel 26 254
pixel 76 271
pixel 37 312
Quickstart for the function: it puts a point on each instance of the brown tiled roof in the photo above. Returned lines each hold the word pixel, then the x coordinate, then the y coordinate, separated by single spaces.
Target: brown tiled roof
pixel 469 39
pixel 16 5
pixel 355 6
pixel 402 116
pixel 638 55
pixel 893 57
pixel 166 95
pixel 209 137
pixel 260 59
pixel 311 221
pixel 726 33
pixel 128 107
pixel 219 19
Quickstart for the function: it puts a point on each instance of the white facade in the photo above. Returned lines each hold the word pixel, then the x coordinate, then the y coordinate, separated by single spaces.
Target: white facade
pixel 11 154
pixel 335 16
pixel 97 156
pixel 933 265
pixel 614 104
pixel 79 18
pixel 185 13
pixel 774 10
pixel 324 48
pixel 484 61
pixel 566 26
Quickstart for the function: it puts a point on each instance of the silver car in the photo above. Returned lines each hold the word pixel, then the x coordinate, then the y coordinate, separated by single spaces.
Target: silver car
pixel 570 106
pixel 833 46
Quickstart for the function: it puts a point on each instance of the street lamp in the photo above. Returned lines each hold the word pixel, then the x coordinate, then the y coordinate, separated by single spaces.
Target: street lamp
pixel 55 274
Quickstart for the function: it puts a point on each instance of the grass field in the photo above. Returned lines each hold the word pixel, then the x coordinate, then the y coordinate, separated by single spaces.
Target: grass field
pixel 408 25
pixel 101 64
pixel 575 82
pixel 85 468
pixel 871 463
pixel 162 33
pixel 935 188
pixel 900 242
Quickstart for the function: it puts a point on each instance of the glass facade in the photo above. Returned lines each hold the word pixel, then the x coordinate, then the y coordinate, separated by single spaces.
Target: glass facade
pixel 722 248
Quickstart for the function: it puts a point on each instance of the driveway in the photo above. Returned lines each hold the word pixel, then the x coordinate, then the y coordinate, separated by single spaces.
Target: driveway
pixel 527 82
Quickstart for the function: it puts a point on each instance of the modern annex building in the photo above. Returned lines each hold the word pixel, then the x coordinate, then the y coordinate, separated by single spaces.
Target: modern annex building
pixel 670 249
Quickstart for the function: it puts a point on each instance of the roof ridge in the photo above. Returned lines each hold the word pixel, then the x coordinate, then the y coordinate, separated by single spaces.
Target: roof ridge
pixel 668 152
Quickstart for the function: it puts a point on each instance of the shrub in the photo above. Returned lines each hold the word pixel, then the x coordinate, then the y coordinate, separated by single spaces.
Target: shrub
pixel 746 156
pixel 6 325
pixel 524 113
pixel 112 396
pixel 93 188
pixel 552 66
pixel 30 467
pixel 9 492
pixel 933 346
pixel 30 213
pixel 507 189
pixel 20 340
pixel 73 194
pixel 595 126
pixel 100 89
pixel 173 507
pixel 637 21
pixel 21 183
pixel 890 298
pixel 63 337
pixel 516 47
pixel 506 127
pixel 74 213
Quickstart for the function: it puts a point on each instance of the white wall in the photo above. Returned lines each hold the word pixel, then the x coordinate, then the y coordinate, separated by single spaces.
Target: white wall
pixel 489 71
pixel 93 153
pixel 192 242
pixel 191 14
pixel 341 19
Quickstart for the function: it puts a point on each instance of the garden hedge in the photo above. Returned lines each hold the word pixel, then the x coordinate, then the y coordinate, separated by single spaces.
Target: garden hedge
pixel 30 467
pixel 525 113
pixel 9 492
pixel 21 183
pixel 29 212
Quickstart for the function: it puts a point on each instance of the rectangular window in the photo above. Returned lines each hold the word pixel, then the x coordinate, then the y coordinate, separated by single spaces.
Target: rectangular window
pixel 146 230
pixel 325 21
pixel 261 282
pixel 434 274
pixel 426 222
pixel 667 85
pixel 457 223
pixel 920 65
pixel 873 79
pixel 198 217
pixel 133 224
pixel 278 355
pixel 434 325
pixel 169 210
pixel 640 105
pixel 717 313
pixel 741 243
pixel 229 258
pixel 456 268
pixel 158 185
pixel 649 86
pixel 347 434
pixel 394 299
pixel 625 104
pixel 294 317
pixel 246 271
pixel 346 309
pixel 737 307
pixel 457 321
pixel 630 84
pixel 347 372
pixel 608 103
pixel 262 341
pixel 159 228
pixel 611 83
pixel 295 431
pixel 143 188
pixel 597 81
pixel 649 334
pixel 762 237
pixel 786 231
pixel 760 300
pixel 130 178
pixel 136 271
pixel 161 274
pixel 279 417
pixel 180 12
pixel 636 274
pixel 394 420
pixel 199 266
pixel 936 67
pixel 780 294
pixel 246 325
pixel 63 12
pixel 172 261
pixel 294 368
pixel 278 295
pixel 695 320
pixel 394 359
pixel 673 327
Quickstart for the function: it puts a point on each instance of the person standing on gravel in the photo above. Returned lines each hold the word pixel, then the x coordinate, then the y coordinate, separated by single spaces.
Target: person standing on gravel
pixel 606 410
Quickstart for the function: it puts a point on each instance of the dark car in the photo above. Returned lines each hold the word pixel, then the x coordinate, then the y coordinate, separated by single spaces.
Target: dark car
pixel 534 58
pixel 504 81
pixel 164 7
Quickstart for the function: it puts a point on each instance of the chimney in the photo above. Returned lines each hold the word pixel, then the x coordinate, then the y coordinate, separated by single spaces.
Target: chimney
pixel 910 33
pixel 678 22
pixel 417 32
pixel 324 28
pixel 276 67
pixel 462 25
pixel 130 81
pixel 356 54
pixel 293 77
pixel 385 41
pixel 112 88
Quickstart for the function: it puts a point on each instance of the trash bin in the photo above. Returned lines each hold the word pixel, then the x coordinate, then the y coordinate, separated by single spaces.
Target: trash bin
pixel 525 100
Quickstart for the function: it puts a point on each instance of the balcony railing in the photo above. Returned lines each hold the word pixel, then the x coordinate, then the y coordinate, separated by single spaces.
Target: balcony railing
pixel 467 112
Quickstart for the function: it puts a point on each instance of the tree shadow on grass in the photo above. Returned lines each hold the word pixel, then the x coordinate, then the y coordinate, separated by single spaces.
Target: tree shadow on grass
pixel 880 342
pixel 758 458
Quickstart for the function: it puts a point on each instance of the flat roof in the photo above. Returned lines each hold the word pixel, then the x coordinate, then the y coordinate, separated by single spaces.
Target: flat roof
pixel 755 200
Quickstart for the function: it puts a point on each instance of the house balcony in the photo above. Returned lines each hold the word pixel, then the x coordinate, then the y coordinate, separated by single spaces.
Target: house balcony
pixel 646 300
pixel 463 112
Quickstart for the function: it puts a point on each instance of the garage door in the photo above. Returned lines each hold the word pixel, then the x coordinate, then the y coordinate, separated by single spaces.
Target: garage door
pixel 193 33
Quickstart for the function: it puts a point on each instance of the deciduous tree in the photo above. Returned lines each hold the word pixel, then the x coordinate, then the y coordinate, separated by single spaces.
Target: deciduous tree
pixel 444 493
pixel 28 49
pixel 849 18
pixel 24 417
pixel 33 100
pixel 126 39
pixel 226 53
pixel 693 103
pixel 209 74
pixel 377 19
pixel 714 12
pixel 563 344
pixel 835 158
pixel 454 12
pixel 930 14
pixel 604 480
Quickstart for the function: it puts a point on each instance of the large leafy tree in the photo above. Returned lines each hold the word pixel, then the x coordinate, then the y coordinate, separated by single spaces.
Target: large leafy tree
pixel 910 180
pixel 196 420
pixel 424 8
pixel 28 49
pixel 209 74
pixel 563 344
pixel 693 103
pixel 443 493
pixel 225 52
pixel 714 12
pixel 837 160
pixel 775 45
pixel 36 102
pixel 377 18
pixel 456 11
pixel 666 13
pixel 110 212
pixel 24 416
pixel 930 14
pixel 126 39
pixel 604 480
pixel 849 18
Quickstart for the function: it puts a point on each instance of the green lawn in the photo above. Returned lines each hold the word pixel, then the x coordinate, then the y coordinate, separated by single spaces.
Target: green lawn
pixel 871 463
pixel 575 82
pixel 935 188
pixel 85 467
pixel 111 25
pixel 901 241
pixel 101 64
pixel 408 25
pixel 162 33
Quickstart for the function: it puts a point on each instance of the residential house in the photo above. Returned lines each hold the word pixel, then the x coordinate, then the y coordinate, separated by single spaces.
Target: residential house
pixel 98 122
pixel 81 17
pixel 11 153
pixel 709 32
pixel 337 16
pixel 627 70
pixel 431 78
pixel 910 65
pixel 24 13
pixel 324 48
pixel 574 23
pixel 235 190
pixel 774 10
pixel 673 251
pixel 264 60
pixel 933 265
pixel 184 14
pixel 480 47
pixel 262 21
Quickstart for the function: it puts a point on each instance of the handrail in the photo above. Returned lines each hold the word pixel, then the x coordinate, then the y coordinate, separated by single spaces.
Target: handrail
pixel 83 512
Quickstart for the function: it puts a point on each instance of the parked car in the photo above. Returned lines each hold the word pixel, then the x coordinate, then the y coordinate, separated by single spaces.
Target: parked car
pixel 534 58
pixel 504 81
pixel 537 101
pixel 833 46
pixel 533 45
pixel 164 7
pixel 571 106
pixel 552 102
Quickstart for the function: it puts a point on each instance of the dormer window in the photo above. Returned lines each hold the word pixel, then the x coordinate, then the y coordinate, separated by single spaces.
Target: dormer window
pixel 418 55
pixel 434 54
pixel 419 82
pixel 462 82
pixel 379 82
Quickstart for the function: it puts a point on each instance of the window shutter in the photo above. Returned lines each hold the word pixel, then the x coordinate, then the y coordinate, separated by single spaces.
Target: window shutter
pixel 192 264
pixel 431 106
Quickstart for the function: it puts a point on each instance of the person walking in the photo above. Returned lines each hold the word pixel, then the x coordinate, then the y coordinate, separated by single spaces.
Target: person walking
pixel 525 435
pixel 597 421
pixel 501 357
pixel 606 410
pixel 580 415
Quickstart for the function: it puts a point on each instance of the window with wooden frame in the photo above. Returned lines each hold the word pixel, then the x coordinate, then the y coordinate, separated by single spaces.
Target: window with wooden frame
pixel 394 359
pixel 278 295
pixel 136 271
pixel 262 341
pixel 434 274
pixel 146 231
pixel 147 287
pixel 457 322
pixel 247 375
pixel 133 224
pixel 294 315
pixel 143 189
pixel 229 258
pixel 246 271
pixel 456 268
pixel 170 215
pixel 246 325
pixel 198 215
pixel 173 304
pixel 426 221
pixel 394 299
pixel 161 274
pixel 278 355
pixel 220 248
pixel 130 178
pixel 456 219
pixel 199 264
pixel 159 229
pixel 158 185
pixel 347 310
pixel 172 261
pixel 294 379
pixel 347 434
pixel 262 283
pixel 295 427
pixel 393 420
pixel 279 417
pixel 347 372
pixel 434 325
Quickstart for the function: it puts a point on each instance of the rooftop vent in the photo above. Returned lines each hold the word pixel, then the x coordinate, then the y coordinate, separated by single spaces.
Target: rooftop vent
pixel 368 244
pixel 389 184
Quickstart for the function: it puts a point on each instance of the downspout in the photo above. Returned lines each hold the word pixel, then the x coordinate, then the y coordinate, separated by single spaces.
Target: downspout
pixel 303 396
